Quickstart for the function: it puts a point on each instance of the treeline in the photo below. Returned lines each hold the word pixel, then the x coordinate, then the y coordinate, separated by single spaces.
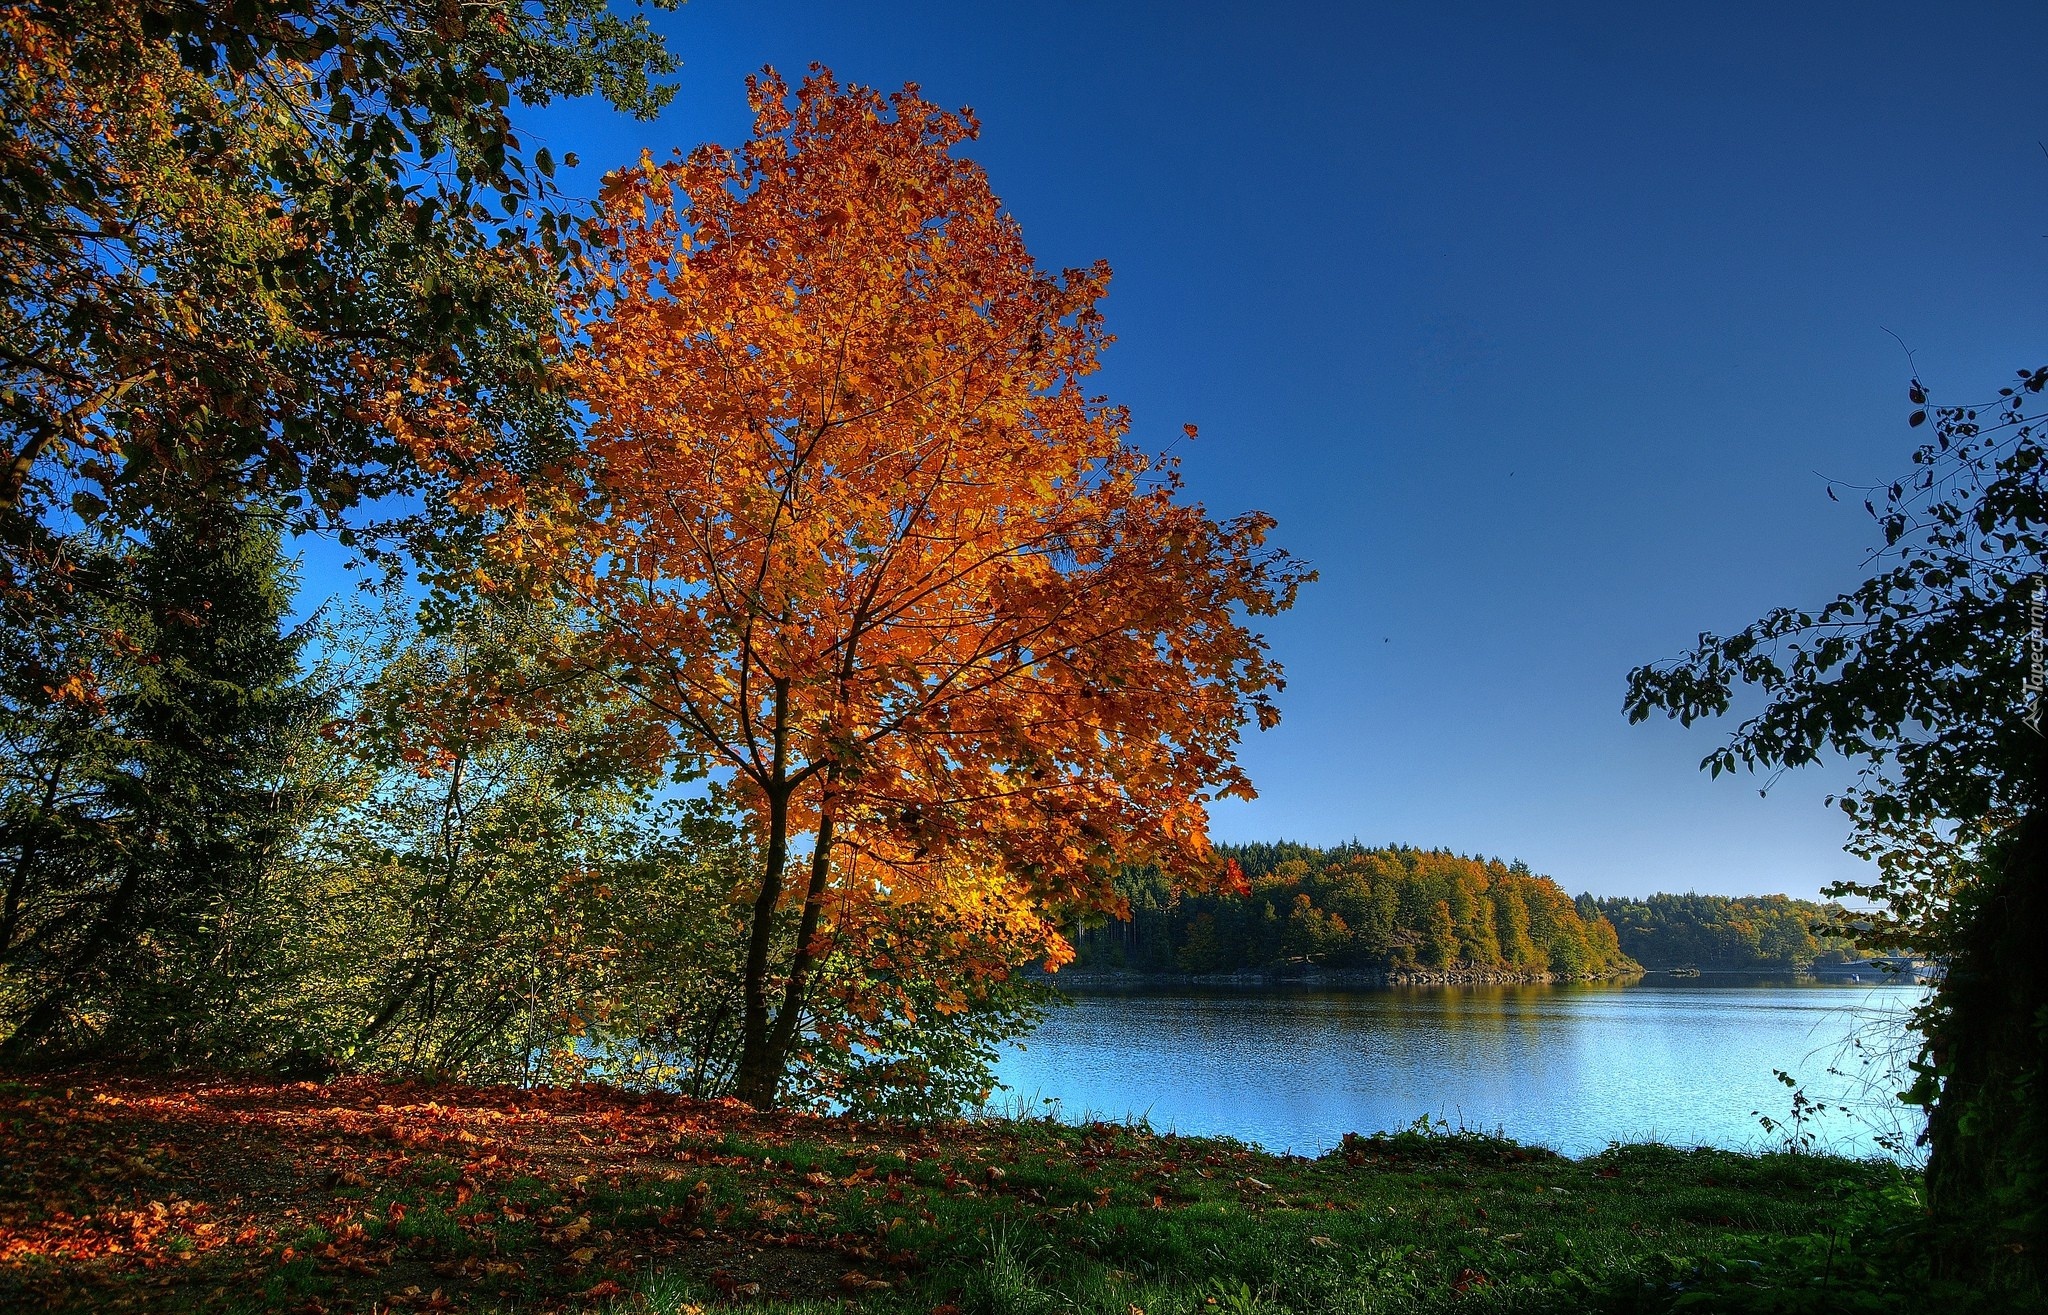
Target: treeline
pixel 1749 933
pixel 229 848
pixel 286 276
pixel 1395 910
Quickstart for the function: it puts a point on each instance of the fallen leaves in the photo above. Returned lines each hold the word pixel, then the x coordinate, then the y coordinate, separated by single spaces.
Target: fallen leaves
pixel 855 1281
pixel 360 1188
pixel 202 1196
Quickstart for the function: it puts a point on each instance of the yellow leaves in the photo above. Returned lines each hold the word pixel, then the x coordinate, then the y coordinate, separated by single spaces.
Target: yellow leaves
pixel 81 689
pixel 848 512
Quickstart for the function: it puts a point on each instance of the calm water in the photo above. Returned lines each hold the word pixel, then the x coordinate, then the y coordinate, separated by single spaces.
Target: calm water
pixel 1571 1067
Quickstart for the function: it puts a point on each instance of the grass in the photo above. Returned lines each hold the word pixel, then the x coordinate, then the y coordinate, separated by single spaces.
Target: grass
pixel 160 1194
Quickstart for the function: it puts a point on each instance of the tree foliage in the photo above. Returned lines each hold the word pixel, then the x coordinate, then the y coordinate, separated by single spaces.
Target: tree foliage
pixel 1920 676
pixel 249 248
pixel 142 806
pixel 295 258
pixel 1731 933
pixel 858 536
pixel 1396 910
pixel 251 252
pixel 1917 674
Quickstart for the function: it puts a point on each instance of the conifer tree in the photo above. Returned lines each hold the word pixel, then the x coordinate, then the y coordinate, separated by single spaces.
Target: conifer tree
pixel 148 785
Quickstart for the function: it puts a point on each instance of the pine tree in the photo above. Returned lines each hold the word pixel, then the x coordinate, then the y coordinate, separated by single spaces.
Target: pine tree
pixel 150 734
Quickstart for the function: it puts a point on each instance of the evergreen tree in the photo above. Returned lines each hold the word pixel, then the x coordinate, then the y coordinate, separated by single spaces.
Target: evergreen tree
pixel 151 732
pixel 1440 937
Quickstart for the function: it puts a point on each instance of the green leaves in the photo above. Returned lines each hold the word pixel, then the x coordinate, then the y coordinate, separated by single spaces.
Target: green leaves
pixel 268 188
pixel 155 735
pixel 1920 678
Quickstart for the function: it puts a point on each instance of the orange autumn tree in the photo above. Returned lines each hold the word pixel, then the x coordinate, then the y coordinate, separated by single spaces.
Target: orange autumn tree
pixel 853 529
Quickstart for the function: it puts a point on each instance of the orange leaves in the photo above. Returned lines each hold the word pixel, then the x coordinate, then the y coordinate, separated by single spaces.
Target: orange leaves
pixel 81 689
pixel 157 1232
pixel 851 521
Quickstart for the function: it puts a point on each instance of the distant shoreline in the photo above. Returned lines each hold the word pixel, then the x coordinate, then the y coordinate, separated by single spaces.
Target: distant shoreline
pixel 1096 979
pixel 1360 977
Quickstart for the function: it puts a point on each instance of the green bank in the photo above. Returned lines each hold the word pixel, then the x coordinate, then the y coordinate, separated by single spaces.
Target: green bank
pixel 355 1195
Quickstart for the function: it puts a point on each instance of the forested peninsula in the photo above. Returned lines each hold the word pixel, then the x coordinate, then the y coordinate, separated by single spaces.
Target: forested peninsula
pixel 1722 933
pixel 1397 914
pixel 1402 914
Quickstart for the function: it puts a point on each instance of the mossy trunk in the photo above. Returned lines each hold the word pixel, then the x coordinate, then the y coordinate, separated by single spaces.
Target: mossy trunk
pixel 1987 1174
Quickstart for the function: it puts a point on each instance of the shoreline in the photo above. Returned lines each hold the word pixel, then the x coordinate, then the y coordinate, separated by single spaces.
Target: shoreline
pixel 216 1195
pixel 1332 977
pixel 1369 979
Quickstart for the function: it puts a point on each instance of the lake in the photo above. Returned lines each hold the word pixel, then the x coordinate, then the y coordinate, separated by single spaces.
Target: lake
pixel 1572 1067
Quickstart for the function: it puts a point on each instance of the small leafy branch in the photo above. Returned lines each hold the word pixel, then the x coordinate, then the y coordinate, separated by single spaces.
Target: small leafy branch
pixel 1797 1133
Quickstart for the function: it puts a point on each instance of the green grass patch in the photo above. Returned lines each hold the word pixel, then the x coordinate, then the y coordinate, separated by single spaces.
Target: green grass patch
pixel 361 1197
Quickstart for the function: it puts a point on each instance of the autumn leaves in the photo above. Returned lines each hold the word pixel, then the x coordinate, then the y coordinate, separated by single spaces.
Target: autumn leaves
pixel 773 475
pixel 848 525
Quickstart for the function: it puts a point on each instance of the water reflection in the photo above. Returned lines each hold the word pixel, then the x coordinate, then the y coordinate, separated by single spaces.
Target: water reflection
pixel 1573 1067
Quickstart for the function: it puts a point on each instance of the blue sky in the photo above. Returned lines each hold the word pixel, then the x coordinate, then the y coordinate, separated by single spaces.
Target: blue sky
pixel 1537 330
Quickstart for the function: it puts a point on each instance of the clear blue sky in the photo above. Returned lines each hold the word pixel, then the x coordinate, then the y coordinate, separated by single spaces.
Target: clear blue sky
pixel 1532 327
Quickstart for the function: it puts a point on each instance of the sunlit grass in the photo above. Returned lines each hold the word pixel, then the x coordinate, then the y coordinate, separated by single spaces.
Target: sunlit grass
pixel 629 1204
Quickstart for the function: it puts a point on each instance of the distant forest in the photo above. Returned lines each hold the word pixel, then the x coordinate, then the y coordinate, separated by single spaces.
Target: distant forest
pixel 1396 910
pixel 1756 933
pixel 1401 911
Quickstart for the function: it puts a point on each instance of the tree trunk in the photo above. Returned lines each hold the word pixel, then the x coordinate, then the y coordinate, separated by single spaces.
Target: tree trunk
pixel 762 1065
pixel 1987 1174
pixel 758 1076
pixel 798 982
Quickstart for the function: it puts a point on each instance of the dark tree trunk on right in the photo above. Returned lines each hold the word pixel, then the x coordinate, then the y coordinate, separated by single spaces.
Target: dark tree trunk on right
pixel 1987 1174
